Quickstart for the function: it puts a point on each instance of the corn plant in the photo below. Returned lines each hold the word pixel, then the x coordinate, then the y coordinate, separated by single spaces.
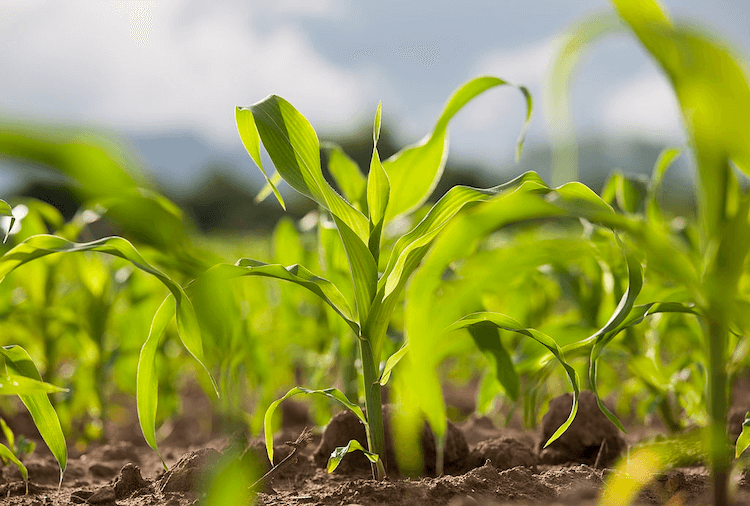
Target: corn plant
pixel 710 273
pixel 392 188
pixel 712 89
pixel 23 379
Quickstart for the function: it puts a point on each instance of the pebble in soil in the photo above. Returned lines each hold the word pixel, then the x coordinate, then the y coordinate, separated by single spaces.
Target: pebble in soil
pixel 583 439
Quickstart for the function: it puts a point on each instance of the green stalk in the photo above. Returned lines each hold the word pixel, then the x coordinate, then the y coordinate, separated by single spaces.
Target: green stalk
pixel 374 408
pixel 717 412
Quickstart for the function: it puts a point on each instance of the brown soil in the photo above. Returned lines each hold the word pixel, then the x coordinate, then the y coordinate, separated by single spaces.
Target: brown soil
pixel 488 466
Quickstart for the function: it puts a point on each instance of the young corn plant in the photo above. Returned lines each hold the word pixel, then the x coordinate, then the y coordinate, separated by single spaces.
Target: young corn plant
pixel 711 86
pixel 22 378
pixel 392 188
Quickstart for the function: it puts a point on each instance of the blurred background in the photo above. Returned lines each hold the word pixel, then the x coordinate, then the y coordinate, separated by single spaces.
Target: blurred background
pixel 160 79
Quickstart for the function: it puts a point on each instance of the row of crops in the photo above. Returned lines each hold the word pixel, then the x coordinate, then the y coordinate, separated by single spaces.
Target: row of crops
pixel 531 289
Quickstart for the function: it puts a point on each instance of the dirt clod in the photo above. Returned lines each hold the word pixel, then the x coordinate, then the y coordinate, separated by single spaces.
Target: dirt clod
pixel 503 453
pixel 102 496
pixel 345 426
pixel 189 472
pixel 583 439
pixel 128 481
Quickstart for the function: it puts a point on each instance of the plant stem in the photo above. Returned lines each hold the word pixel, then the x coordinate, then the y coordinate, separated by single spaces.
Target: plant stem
pixel 374 408
pixel 717 411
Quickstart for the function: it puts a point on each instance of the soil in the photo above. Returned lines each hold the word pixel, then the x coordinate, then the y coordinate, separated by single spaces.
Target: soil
pixel 485 465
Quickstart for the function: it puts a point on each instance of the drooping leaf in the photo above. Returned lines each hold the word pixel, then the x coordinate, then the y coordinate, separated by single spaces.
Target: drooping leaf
pixel 414 171
pixel 352 446
pixel 19 363
pixel 332 393
pixel 504 322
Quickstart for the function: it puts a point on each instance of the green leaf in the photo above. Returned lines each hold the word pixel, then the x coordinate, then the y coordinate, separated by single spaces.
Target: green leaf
pixel 7 454
pixel 364 270
pixel 392 361
pixel 630 191
pixel 251 140
pixel 378 192
pixel 743 441
pixel 410 248
pixel 294 149
pixel 345 172
pixel 504 322
pixel 21 385
pixel 353 445
pixel 9 436
pixel 663 162
pixel 601 337
pixel 6 210
pixel 487 339
pixel 332 393
pixel 147 382
pixel 415 170
pixel 19 363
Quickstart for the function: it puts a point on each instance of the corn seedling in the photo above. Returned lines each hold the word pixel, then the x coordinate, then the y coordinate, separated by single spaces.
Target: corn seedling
pixel 392 188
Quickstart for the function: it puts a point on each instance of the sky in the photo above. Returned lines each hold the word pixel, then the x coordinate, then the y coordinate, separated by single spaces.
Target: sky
pixel 147 67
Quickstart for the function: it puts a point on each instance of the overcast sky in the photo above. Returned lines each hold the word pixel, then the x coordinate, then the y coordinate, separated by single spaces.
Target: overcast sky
pixel 140 66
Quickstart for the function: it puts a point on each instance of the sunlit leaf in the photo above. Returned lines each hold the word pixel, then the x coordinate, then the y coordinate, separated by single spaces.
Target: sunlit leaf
pixel 294 149
pixel 21 385
pixel 414 171
pixel 251 140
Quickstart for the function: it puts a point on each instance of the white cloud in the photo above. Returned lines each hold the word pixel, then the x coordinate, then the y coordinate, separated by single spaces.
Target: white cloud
pixel 150 65
pixel 646 106
pixel 309 8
